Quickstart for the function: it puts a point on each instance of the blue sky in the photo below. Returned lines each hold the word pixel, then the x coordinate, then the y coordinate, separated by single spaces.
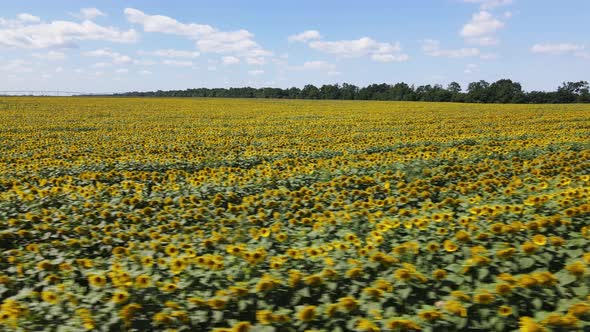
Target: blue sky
pixel 112 46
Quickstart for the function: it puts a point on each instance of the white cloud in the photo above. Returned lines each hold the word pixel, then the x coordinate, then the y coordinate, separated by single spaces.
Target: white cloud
pixel 255 72
pixel 16 66
pixel 560 48
pixel 378 51
pixel 583 55
pixel 230 60
pixel 207 38
pixel 481 29
pixel 471 68
pixel 165 24
pixel 490 4
pixel 21 20
pixel 432 48
pixel 90 13
pixel 255 60
pixel 59 69
pixel 101 65
pixel 170 53
pixel 33 34
pixel 489 56
pixel 116 57
pixel 305 36
pixel 51 56
pixel 145 72
pixel 122 71
pixel 389 57
pixel 28 18
pixel 317 65
pixel 177 63
pixel 144 62
pixel 354 48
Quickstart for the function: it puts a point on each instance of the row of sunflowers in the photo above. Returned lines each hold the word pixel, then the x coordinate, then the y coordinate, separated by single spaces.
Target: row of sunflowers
pixel 268 215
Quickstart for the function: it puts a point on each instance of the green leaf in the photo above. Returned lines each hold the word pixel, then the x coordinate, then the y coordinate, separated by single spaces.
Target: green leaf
pixel 526 262
pixel 455 279
pixel 575 253
pixel 217 316
pixel 581 291
pixel 537 303
pixel 304 292
pixel 454 268
pixel 566 279
pixel 482 273
pixel 404 292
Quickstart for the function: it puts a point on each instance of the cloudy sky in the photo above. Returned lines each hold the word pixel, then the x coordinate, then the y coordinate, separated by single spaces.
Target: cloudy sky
pixel 112 46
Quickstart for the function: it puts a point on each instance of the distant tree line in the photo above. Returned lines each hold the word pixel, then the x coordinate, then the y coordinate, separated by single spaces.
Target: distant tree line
pixel 502 91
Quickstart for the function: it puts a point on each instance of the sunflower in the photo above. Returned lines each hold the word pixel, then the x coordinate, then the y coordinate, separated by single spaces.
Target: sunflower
pixel 580 309
pixel 366 325
pixel 505 310
pixel 383 285
pixel 450 246
pixel 456 308
pixel 120 296
pixel 162 318
pixel 143 281
pixel 374 293
pixel 503 289
pixel 241 327
pixel 557 241
pixel 460 295
pixel 169 287
pixel 264 317
pixel 295 278
pixel 177 265
pixel 147 261
pixel 540 239
pixel 483 297
pixel 402 324
pixel 264 232
pixel 281 237
pixel 127 312
pixel 439 274
pixel 86 318
pixel 557 320
pixel 432 246
pixel 528 248
pixel 44 265
pixel 505 253
pixel 307 313
pixel 430 315
pixel 171 250
pixel 97 280
pixel 545 278
pixel 348 303
pixel 49 297
pixel 462 236
pixel 403 274
pixel 354 273
pixel 217 303
pixel 577 269
pixel 314 280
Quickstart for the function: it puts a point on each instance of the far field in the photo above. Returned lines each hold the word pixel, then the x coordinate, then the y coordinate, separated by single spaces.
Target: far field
pixel 285 215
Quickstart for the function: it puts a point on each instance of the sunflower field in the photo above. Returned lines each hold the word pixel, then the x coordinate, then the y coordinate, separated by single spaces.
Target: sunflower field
pixel 283 215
